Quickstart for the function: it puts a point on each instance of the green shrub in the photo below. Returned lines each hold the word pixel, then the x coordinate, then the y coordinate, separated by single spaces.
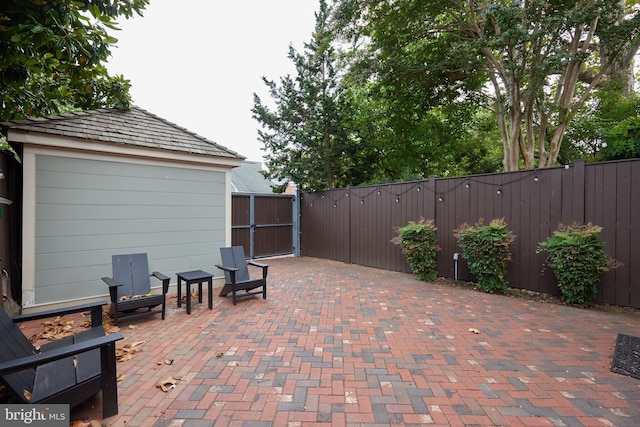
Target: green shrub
pixel 578 258
pixel 487 249
pixel 419 244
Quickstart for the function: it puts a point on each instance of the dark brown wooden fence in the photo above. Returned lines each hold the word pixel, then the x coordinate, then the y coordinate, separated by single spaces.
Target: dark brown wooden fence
pixel 356 225
pixel 262 223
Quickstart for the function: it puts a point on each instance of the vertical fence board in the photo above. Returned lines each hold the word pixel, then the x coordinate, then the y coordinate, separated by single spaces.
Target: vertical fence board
pixel 623 229
pixel 634 236
pixel 609 205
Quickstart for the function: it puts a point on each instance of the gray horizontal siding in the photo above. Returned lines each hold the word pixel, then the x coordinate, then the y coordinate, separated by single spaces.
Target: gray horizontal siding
pixel 89 210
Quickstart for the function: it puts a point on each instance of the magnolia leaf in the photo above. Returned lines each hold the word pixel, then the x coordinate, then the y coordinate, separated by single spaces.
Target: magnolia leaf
pixel 167 384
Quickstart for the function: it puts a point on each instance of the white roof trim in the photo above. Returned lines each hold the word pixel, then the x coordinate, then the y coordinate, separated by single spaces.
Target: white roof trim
pixel 73 144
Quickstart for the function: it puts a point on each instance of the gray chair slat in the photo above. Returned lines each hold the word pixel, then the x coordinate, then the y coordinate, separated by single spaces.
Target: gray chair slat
pixel 121 265
pixel 88 363
pixel 140 274
pixel 53 377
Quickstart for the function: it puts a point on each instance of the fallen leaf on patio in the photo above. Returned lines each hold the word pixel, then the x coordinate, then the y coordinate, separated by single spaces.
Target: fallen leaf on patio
pixel 55 329
pixel 167 384
pixel 168 361
pixel 219 354
pixel 474 330
pixel 127 351
pixel 27 395
pixel 75 363
pixel 133 327
pixel 109 328
pixel 120 377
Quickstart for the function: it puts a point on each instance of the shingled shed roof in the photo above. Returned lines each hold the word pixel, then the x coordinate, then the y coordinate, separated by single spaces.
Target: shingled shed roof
pixel 136 127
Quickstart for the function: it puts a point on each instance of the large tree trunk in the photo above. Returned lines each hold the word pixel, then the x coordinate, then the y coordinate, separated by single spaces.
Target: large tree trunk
pixel 619 63
pixel 621 67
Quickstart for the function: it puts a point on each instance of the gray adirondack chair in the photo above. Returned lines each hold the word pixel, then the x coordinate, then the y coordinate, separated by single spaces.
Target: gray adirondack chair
pixel 66 371
pixel 236 273
pixel 130 288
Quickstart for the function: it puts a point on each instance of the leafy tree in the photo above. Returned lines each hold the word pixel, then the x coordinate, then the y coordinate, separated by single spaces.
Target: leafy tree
pixel 304 133
pixel 529 60
pixel 599 131
pixel 52 54
pixel 623 140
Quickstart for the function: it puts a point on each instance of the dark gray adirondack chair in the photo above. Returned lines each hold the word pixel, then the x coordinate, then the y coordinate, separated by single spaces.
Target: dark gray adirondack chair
pixel 67 371
pixel 130 288
pixel 236 273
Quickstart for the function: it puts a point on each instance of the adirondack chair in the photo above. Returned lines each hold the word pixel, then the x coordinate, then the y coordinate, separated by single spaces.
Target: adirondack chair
pixel 67 371
pixel 236 273
pixel 130 288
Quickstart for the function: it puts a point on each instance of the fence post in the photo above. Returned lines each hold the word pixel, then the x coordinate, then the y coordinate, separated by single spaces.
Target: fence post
pixel 252 224
pixel 295 218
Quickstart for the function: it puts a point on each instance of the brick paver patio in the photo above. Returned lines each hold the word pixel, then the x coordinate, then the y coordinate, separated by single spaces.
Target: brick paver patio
pixel 344 345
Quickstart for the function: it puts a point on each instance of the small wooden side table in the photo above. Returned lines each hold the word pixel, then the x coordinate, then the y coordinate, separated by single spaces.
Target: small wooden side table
pixel 191 277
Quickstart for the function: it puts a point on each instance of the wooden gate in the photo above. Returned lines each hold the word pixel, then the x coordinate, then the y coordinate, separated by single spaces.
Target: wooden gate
pixel 265 224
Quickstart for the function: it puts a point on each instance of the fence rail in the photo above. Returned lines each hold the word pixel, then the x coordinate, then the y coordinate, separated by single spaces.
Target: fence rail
pixel 356 224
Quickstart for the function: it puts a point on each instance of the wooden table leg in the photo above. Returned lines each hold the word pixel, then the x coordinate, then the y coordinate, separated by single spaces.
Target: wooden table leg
pixel 210 288
pixel 188 297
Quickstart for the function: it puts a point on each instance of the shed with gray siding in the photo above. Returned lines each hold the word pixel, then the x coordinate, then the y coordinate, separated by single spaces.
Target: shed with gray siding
pixel 112 181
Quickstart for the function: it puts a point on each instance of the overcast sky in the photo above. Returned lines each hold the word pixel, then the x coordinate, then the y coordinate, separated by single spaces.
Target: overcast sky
pixel 197 63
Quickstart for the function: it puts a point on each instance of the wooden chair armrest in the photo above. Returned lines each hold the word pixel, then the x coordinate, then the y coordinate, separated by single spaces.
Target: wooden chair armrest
pixel 95 308
pixel 232 272
pixel 58 353
pixel 160 276
pixel 164 279
pixel 229 269
pixel 257 264
pixel 112 283
pixel 264 267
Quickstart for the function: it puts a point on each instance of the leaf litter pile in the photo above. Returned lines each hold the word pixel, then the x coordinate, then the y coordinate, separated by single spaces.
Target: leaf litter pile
pixel 61 327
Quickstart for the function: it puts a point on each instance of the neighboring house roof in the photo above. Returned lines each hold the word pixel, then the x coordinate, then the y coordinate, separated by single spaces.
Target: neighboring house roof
pixel 247 179
pixel 134 127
